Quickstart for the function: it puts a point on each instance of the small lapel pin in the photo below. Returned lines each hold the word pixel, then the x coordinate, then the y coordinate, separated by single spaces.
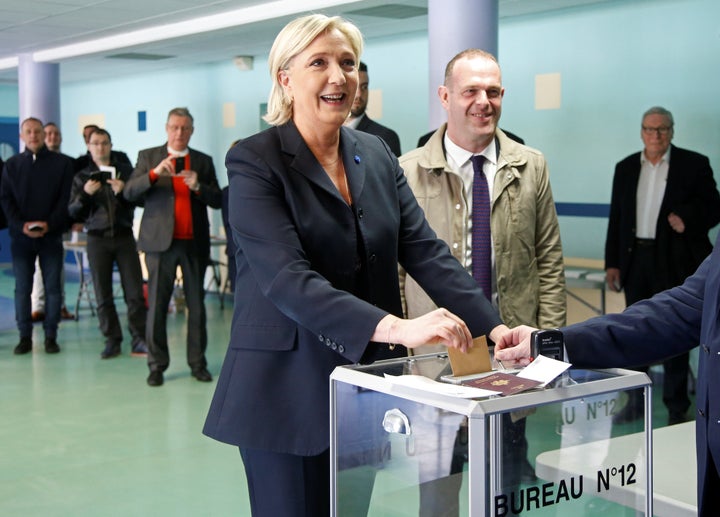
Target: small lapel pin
pixel 357 159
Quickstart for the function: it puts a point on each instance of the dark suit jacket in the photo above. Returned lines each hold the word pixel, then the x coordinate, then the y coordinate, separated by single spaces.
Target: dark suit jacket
pixel 391 138
pixel 36 188
pixel 230 247
pixel 158 199
pixel 315 276
pixel 690 192
pixel 666 325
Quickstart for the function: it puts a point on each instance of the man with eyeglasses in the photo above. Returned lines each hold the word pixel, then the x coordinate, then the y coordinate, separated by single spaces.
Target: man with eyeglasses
pixel 664 202
pixel 176 184
pixel 85 160
pixel 98 200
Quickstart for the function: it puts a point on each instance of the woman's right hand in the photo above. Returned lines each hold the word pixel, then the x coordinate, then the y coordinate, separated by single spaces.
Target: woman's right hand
pixel 439 327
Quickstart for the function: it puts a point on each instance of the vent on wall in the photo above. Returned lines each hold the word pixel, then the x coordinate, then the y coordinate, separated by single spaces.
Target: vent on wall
pixel 394 11
pixel 139 56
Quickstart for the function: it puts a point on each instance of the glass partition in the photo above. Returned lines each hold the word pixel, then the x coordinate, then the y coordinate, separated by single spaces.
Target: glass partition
pixel 400 451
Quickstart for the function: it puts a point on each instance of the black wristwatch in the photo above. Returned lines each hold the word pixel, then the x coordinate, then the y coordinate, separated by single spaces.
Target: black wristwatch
pixel 549 343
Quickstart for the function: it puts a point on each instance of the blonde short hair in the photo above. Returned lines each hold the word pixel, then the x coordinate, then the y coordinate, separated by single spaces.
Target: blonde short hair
pixel 295 37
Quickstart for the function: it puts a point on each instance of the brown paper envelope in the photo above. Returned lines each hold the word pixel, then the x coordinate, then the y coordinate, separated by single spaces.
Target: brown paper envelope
pixel 476 360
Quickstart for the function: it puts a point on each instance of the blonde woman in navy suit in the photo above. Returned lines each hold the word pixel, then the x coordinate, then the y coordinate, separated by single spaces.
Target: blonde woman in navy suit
pixel 321 215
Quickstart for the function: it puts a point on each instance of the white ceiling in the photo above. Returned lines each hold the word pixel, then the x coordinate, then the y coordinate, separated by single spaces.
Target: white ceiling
pixel 28 26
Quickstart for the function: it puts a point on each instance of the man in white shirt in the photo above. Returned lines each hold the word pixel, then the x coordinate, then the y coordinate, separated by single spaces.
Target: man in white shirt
pixel 526 274
pixel 664 201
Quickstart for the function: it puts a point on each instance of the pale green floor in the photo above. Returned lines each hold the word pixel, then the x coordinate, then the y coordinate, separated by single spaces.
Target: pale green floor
pixel 80 436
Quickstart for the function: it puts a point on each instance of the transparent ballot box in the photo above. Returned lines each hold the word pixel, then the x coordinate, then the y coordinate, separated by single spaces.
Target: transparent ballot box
pixel 399 450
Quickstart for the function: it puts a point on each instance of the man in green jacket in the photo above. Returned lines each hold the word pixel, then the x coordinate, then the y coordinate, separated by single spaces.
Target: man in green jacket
pixel 526 274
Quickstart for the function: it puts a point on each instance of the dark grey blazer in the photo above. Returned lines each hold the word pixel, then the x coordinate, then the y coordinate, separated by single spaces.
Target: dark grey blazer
pixel 158 200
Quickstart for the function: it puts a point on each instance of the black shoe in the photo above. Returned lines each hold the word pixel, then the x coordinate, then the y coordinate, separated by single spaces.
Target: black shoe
pixel 202 375
pixel 155 378
pixel 111 350
pixel 629 413
pixel 51 346
pixel 24 346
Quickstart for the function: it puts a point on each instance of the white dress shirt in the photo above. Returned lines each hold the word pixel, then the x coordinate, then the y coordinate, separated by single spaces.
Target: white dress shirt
pixel 650 193
pixel 459 161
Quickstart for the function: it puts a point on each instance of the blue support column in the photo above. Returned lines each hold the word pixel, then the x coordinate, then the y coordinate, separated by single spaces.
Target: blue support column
pixel 38 90
pixel 453 27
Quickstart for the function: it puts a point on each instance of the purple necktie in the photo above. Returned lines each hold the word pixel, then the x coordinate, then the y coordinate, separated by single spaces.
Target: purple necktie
pixel 481 242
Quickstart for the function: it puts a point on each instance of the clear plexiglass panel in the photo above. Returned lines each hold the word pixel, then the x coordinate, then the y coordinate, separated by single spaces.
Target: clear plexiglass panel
pixel 551 452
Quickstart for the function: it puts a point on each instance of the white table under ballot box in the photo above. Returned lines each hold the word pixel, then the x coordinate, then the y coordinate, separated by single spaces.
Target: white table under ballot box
pixel 402 450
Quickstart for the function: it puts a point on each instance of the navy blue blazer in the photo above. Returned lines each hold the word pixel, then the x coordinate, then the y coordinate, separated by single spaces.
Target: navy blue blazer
pixel 690 192
pixel 314 278
pixel 664 326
